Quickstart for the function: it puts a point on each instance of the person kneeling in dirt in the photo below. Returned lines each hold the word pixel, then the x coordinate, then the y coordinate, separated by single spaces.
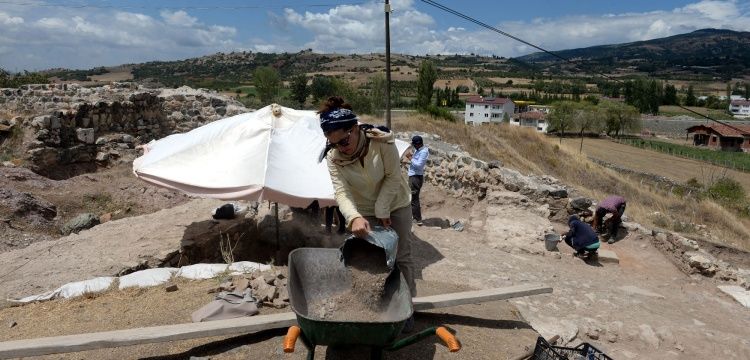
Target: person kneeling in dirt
pixel 614 205
pixel 581 237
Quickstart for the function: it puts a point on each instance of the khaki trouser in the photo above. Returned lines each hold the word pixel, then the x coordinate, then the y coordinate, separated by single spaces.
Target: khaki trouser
pixel 401 223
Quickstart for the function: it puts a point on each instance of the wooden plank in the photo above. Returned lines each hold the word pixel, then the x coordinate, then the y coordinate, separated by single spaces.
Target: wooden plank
pixel 245 325
pixel 117 338
pixel 478 296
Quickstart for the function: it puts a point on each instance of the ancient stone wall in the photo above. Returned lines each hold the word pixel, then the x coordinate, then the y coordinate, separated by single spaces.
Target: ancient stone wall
pixel 69 129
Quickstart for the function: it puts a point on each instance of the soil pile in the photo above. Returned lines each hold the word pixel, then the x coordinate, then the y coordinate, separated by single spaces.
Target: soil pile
pixel 363 301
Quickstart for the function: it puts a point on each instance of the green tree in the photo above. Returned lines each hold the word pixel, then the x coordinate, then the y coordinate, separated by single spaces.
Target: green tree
pixel 690 99
pixel 377 93
pixel 321 88
pixel 589 119
pixel 563 116
pixel 299 89
pixel 425 81
pixel 670 95
pixel 619 118
pixel 267 83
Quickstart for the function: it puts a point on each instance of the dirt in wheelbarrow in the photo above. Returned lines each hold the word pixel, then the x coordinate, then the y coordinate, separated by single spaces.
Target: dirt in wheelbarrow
pixel 363 301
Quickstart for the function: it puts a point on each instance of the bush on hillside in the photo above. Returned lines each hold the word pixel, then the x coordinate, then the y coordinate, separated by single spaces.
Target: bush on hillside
pixel 437 112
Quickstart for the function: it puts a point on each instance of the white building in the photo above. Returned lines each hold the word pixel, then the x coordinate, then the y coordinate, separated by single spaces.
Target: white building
pixel 533 119
pixel 740 108
pixel 485 110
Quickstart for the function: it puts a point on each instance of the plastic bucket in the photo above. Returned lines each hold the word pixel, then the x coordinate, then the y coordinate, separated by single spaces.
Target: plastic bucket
pixel 550 241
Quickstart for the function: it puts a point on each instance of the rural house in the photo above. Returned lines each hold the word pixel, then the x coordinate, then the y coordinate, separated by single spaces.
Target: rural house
pixel 740 108
pixel 721 137
pixel 485 110
pixel 533 119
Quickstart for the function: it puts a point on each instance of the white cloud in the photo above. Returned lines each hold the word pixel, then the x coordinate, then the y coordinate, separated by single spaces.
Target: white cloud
pixel 84 38
pixel 44 37
pixel 359 28
pixel 8 20
pixel 179 18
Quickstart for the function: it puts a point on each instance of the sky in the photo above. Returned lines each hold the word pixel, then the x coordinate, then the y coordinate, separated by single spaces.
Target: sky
pixel 81 34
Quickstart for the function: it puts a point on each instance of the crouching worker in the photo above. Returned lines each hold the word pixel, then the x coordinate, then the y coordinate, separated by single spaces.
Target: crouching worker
pixel 581 237
pixel 614 205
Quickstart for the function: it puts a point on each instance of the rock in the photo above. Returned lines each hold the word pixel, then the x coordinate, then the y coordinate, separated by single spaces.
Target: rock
pixel 580 203
pixel 512 187
pixel 241 283
pixel 25 205
pixel 12 324
pixel 608 256
pixel 258 283
pixel 283 294
pixel 269 278
pixel 648 335
pixel 702 263
pixel 738 293
pixel 105 217
pixel 102 157
pixel 278 303
pixel 171 287
pixel 558 193
pixel 85 135
pixel 267 293
pixel 81 222
pixel 494 164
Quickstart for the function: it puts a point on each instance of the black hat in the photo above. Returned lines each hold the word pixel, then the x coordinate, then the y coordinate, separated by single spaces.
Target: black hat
pixel 416 140
pixel 339 118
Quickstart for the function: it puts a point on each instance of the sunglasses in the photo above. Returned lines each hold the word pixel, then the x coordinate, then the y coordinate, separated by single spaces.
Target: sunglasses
pixel 343 142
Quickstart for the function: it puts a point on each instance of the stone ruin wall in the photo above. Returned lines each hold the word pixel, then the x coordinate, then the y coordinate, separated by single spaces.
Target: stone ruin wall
pixel 69 129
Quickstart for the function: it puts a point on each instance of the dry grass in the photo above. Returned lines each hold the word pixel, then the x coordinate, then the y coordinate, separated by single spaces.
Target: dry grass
pixel 531 152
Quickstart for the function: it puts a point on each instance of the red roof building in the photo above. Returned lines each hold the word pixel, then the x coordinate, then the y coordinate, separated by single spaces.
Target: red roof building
pixel 721 137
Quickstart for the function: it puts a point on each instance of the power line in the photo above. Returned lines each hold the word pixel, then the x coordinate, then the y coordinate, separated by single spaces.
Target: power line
pixel 501 32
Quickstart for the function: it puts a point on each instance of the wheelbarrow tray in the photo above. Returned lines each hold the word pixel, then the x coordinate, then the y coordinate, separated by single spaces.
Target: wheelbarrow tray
pixel 317 273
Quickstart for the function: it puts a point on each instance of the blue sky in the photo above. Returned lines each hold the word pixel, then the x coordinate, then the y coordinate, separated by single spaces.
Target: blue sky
pixel 86 33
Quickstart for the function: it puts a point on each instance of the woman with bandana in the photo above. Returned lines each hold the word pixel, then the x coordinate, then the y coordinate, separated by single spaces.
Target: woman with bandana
pixel 370 187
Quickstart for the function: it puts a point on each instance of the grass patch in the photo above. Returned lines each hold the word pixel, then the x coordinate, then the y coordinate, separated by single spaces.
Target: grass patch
pixel 672 110
pixel 531 152
pixel 732 160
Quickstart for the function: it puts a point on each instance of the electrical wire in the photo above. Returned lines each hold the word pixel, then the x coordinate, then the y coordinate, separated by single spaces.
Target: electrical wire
pixel 501 32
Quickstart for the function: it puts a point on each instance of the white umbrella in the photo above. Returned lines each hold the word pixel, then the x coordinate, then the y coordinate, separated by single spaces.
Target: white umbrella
pixel 269 154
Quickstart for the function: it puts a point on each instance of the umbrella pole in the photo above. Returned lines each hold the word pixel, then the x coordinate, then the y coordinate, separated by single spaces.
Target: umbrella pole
pixel 276 212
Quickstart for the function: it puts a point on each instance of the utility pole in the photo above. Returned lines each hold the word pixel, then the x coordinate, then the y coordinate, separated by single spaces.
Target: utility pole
pixel 387 64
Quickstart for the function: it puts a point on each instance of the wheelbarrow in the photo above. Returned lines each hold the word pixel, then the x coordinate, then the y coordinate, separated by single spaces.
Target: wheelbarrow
pixel 317 273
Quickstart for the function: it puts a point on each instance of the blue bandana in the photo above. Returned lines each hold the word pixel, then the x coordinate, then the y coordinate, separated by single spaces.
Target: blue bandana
pixel 337 119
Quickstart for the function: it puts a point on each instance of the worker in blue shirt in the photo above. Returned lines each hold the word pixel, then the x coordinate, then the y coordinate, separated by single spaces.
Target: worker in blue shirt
pixel 416 175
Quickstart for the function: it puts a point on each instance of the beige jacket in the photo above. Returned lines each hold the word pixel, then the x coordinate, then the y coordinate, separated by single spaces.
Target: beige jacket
pixel 375 189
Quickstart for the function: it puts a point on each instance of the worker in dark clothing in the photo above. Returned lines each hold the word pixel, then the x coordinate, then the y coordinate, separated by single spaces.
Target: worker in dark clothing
pixel 581 237
pixel 614 205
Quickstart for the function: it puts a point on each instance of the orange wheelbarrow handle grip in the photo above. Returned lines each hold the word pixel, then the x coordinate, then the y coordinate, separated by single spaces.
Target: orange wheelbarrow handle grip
pixel 291 338
pixel 450 341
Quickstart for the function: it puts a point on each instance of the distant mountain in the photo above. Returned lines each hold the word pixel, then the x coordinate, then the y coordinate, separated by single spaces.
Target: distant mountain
pixel 709 52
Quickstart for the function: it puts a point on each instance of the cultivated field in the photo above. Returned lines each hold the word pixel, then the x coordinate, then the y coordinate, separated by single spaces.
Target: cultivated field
pixel 654 162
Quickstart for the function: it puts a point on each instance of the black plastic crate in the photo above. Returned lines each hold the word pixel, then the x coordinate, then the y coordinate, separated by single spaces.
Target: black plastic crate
pixel 584 351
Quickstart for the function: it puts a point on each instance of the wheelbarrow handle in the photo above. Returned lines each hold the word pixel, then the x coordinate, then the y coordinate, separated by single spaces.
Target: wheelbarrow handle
pixel 291 338
pixel 449 339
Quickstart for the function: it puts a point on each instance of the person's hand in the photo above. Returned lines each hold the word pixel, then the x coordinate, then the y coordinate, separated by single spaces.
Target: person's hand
pixel 386 222
pixel 360 227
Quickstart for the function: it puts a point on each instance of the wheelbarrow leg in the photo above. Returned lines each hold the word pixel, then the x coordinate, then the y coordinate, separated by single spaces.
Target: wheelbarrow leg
pixel 376 353
pixel 310 347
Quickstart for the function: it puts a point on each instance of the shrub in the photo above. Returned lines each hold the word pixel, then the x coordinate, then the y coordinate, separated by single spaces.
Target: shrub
pixel 438 113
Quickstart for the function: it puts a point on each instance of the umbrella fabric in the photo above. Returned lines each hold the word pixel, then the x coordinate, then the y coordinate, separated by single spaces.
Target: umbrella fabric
pixel 252 156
